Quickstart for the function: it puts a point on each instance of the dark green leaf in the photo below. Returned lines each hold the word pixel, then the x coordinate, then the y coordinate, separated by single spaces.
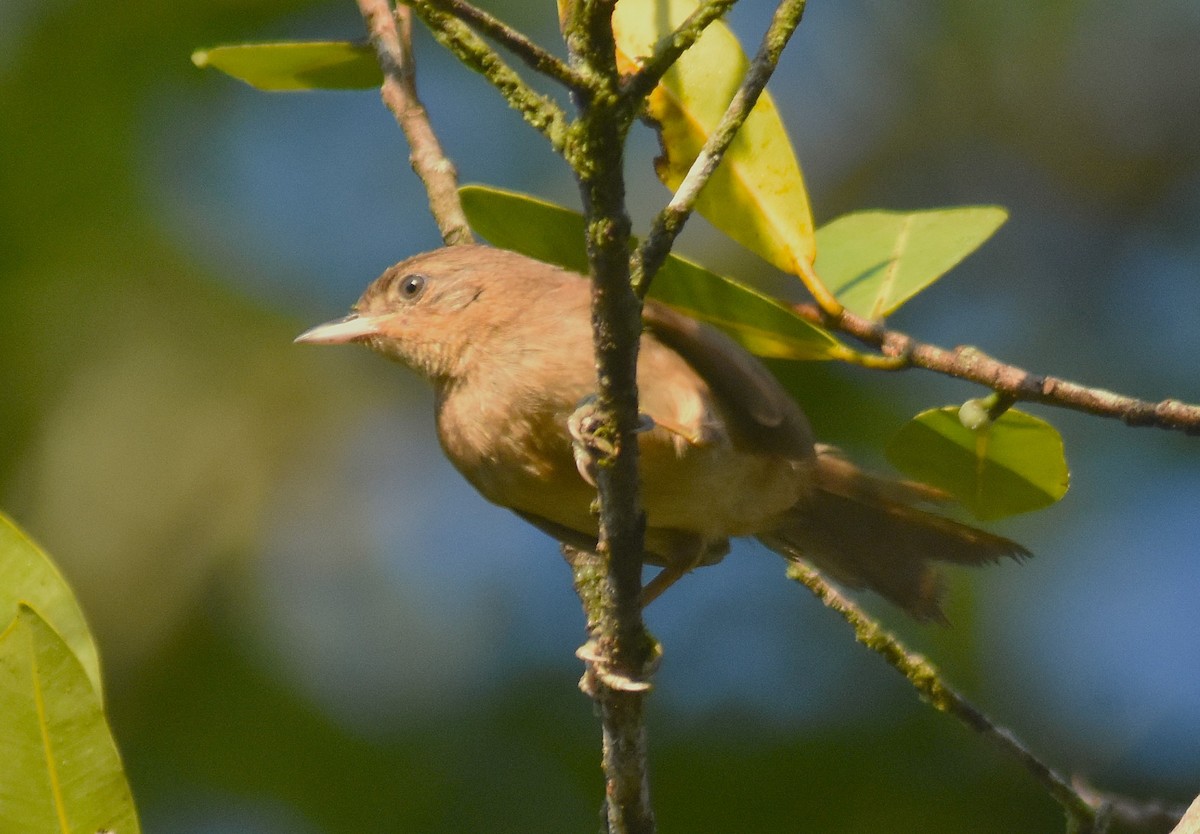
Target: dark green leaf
pixel 555 234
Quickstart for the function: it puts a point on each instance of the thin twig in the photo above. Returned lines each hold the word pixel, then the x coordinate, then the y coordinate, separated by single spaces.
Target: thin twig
pixel 1129 812
pixel 972 364
pixel 670 221
pixel 392 38
pixel 538 110
pixel 925 678
pixel 534 56
pixel 668 49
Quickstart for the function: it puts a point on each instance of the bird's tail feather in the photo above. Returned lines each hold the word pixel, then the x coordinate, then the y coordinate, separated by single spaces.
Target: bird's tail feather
pixel 865 532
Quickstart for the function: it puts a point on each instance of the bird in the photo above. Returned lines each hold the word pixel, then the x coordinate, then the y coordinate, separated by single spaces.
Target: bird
pixel 724 450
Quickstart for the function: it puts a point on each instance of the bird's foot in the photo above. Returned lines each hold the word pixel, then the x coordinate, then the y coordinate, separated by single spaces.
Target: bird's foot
pixel 602 671
pixel 589 443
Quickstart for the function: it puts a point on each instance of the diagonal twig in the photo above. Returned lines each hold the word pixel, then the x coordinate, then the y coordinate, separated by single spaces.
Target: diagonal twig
pixel 392 38
pixel 668 50
pixel 534 56
pixel 974 365
pixel 670 221
pixel 538 110
pixel 927 680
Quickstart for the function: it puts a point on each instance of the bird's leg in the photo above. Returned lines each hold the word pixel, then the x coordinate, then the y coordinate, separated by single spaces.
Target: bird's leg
pixel 688 551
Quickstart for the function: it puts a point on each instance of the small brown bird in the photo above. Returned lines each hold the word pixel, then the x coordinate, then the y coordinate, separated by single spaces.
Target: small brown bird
pixel 506 341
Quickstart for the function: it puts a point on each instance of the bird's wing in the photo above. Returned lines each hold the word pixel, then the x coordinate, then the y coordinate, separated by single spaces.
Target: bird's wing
pixel 758 413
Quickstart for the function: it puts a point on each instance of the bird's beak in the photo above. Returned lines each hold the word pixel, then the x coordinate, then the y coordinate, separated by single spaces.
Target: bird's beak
pixel 340 331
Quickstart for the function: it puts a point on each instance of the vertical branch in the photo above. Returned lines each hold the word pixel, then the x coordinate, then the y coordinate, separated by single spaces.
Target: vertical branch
pixel 392 38
pixel 622 647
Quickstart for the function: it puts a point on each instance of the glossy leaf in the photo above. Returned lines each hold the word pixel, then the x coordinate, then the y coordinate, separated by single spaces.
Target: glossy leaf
pixel 874 261
pixel 555 234
pixel 1013 465
pixel 757 195
pixel 289 67
pixel 59 768
pixel 28 575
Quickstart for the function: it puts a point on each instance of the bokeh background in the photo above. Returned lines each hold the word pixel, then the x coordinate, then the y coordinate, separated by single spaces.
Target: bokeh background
pixel 310 624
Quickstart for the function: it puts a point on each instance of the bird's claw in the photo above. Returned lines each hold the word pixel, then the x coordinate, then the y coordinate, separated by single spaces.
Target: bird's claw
pixel 600 670
pixel 588 443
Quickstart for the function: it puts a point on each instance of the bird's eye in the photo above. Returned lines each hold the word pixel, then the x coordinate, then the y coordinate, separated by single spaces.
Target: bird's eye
pixel 412 286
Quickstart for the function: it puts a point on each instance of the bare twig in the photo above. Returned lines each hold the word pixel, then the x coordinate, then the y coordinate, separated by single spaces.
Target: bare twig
pixel 670 221
pixel 1128 812
pixel 972 364
pixel 538 110
pixel 534 56
pixel 668 50
pixel 392 39
pixel 927 680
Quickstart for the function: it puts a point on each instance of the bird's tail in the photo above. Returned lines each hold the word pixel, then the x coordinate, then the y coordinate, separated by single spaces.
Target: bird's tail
pixel 866 532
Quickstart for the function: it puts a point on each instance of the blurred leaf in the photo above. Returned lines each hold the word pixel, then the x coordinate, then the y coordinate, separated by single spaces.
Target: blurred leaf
pixel 555 234
pixel 59 768
pixel 279 67
pixel 27 575
pixel 757 195
pixel 874 261
pixel 1014 465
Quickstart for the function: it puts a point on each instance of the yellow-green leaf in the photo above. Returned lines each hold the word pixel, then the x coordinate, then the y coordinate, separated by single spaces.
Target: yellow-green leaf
pixel 1011 465
pixel 757 195
pixel 28 575
pixel 59 767
pixel 874 261
pixel 287 67
pixel 555 234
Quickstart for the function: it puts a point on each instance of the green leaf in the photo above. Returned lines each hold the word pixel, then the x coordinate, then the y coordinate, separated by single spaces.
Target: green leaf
pixel 1012 465
pixel 874 261
pixel 27 575
pixel 555 234
pixel 280 67
pixel 757 195
pixel 59 767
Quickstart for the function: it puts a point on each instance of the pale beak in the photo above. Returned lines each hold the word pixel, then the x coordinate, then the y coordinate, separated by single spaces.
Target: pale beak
pixel 341 331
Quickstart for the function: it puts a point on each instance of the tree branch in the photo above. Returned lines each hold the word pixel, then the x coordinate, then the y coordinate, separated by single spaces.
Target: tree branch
pixel 667 50
pixel 621 651
pixel 670 221
pixel 926 679
pixel 534 56
pixel 392 38
pixel 971 364
pixel 538 110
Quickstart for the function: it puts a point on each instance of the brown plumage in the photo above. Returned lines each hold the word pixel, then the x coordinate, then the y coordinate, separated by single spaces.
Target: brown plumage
pixel 506 342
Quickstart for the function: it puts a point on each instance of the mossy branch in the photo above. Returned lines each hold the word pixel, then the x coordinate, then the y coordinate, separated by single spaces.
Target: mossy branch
pixel 538 110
